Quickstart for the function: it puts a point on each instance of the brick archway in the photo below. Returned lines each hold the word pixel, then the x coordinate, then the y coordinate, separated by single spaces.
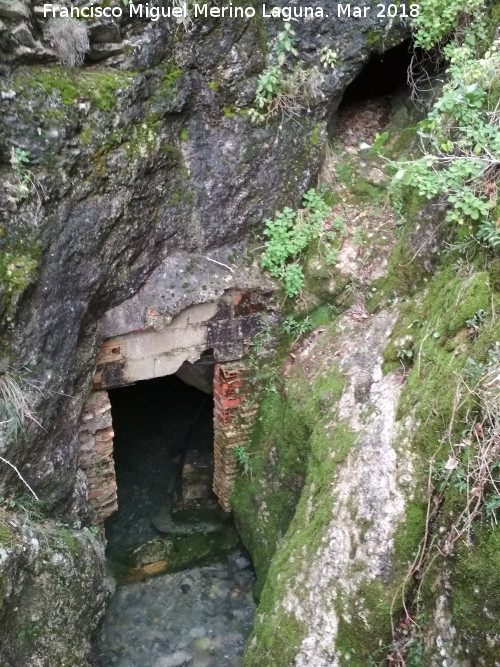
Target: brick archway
pixel 150 353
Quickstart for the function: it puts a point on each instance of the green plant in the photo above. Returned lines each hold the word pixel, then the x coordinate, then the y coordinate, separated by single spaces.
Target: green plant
pixel 460 138
pixel 16 409
pixel 269 86
pixel 477 320
pixel 494 353
pixel 437 19
pixel 19 158
pixel 489 232
pixel 285 43
pixel 328 58
pixel 284 92
pixel 473 370
pixel 297 328
pixel 26 505
pixel 404 354
pixel 243 459
pixel 16 402
pixel 289 234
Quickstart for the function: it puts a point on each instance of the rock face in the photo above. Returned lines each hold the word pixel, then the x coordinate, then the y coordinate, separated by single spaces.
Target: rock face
pixel 146 160
pixel 53 593
pixel 368 498
pixel 107 172
pixel 338 553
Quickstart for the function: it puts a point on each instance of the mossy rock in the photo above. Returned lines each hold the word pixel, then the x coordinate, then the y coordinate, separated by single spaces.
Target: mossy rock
pixel 99 87
pixel 177 552
pixel 5 534
pixel 475 593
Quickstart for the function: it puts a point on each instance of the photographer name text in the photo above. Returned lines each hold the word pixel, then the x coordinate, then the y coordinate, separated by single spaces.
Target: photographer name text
pixel 205 10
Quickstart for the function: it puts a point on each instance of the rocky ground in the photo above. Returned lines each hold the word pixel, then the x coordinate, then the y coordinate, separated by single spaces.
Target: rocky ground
pixel 198 618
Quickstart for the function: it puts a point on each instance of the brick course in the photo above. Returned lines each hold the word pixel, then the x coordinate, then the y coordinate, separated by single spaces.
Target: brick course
pixel 234 415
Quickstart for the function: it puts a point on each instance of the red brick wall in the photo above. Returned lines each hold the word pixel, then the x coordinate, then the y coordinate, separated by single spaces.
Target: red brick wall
pixel 233 418
pixel 96 455
pixel 234 415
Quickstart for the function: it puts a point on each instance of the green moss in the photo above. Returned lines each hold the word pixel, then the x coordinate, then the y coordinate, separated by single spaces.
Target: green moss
pixel 276 642
pixel 85 136
pixel 172 73
pixel 373 37
pixel 70 541
pixel 280 432
pixel 330 198
pixel 475 592
pixel 97 86
pixel 261 34
pixel 213 85
pixel 27 636
pixel 314 138
pixel 184 135
pixel 408 536
pixel 229 111
pixel 18 271
pixel 5 535
pixel 473 294
pixel 142 138
pixel 178 552
pixel 441 346
pixel 322 315
pixel 359 188
pixel 369 610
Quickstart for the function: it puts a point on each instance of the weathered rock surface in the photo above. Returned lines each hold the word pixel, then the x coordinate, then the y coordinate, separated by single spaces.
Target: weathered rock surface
pixel 122 168
pixel 324 580
pixel 53 593
pixel 369 497
pixel 107 173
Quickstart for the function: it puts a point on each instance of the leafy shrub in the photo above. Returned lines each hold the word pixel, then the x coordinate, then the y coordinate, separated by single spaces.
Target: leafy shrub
pixel 70 40
pixel 284 92
pixel 461 135
pixel 297 328
pixel 289 235
pixel 438 18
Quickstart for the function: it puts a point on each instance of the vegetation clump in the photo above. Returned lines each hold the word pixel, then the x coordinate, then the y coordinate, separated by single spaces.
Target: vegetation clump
pixel 284 91
pixel 460 138
pixel 70 40
pixel 291 233
pixel 100 88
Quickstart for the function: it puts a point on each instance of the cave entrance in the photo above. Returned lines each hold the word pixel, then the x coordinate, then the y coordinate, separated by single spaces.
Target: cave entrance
pixel 368 101
pixel 163 453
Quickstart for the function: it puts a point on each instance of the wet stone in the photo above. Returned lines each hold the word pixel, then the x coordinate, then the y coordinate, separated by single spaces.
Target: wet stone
pixel 200 617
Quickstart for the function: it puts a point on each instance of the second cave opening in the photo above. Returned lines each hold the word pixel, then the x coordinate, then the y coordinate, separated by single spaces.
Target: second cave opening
pixel 370 99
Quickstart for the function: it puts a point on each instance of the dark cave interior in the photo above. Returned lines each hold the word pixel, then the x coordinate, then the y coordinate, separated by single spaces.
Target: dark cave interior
pixel 384 74
pixel 161 426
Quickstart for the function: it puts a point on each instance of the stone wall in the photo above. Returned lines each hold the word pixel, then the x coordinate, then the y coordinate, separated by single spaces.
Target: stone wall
pixel 96 455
